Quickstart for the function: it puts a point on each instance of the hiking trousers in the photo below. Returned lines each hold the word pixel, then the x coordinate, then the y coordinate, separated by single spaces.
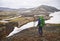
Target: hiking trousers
pixel 40 30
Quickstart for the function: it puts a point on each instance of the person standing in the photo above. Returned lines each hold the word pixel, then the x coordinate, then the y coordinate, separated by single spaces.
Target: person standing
pixel 41 23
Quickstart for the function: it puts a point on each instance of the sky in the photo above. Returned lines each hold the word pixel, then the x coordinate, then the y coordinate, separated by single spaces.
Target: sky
pixel 28 3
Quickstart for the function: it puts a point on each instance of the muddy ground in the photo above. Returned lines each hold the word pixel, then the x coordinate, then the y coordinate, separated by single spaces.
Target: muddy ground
pixel 51 33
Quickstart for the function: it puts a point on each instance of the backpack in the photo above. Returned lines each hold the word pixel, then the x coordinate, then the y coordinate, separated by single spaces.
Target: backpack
pixel 41 21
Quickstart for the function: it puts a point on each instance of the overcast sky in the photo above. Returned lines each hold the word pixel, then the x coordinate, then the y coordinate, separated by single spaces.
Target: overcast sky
pixel 28 3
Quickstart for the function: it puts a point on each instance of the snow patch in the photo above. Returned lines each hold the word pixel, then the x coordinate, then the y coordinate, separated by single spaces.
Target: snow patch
pixel 4 21
pixel 28 25
pixel 55 19
pixel 27 11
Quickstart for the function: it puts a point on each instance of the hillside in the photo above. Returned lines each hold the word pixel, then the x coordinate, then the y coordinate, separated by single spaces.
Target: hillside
pixel 43 9
pixel 48 8
pixel 6 9
pixel 51 33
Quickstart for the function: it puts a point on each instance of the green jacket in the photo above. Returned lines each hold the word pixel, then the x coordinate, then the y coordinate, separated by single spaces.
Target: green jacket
pixel 42 21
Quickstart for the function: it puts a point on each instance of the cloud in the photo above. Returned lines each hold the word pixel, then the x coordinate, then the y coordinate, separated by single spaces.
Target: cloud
pixel 28 3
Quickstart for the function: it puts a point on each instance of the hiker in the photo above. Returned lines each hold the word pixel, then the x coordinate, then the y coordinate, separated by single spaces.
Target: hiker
pixel 41 23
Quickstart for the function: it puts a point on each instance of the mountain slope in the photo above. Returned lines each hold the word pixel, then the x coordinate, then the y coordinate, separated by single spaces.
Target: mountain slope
pixel 6 9
pixel 49 8
pixel 44 9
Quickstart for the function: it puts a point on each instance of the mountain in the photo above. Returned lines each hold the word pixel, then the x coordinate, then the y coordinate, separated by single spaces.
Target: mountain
pixel 48 8
pixel 44 9
pixel 6 9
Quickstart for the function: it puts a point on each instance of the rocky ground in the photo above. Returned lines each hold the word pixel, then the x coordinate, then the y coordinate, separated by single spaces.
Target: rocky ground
pixel 51 33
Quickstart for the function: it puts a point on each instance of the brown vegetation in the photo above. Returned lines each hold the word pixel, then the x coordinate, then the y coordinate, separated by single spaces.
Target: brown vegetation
pixel 31 34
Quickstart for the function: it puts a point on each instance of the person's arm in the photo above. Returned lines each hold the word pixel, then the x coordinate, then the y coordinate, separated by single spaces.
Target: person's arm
pixel 38 22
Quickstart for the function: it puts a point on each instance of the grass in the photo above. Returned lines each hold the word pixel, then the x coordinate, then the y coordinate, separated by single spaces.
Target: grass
pixel 53 25
pixel 22 20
